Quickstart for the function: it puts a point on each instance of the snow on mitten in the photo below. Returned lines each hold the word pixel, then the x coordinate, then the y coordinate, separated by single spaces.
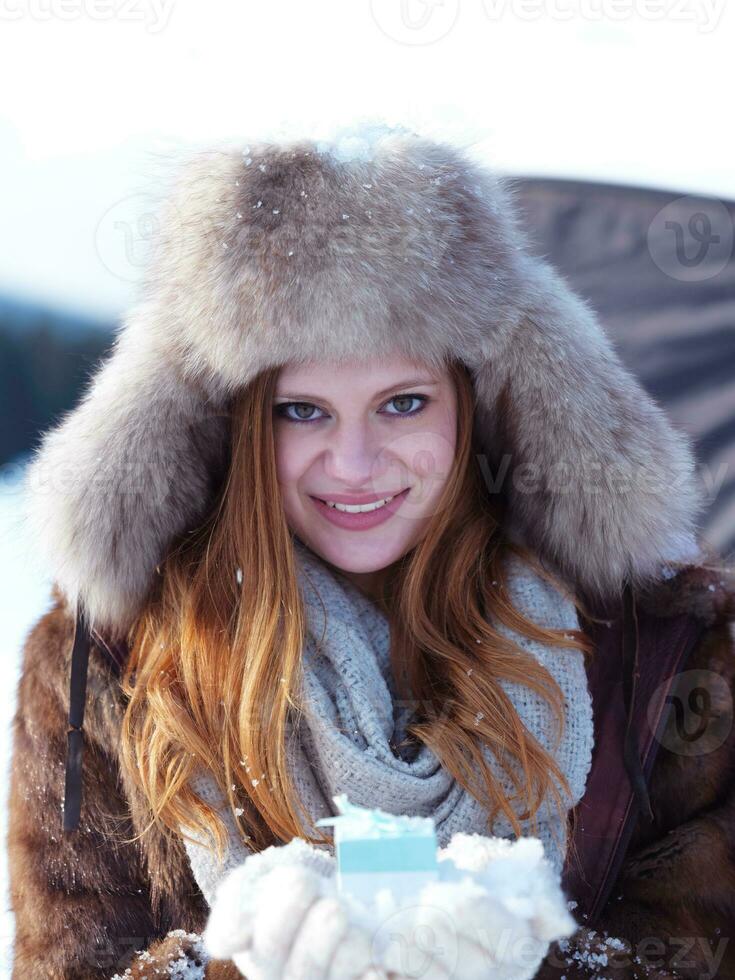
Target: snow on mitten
pixel 230 923
pixel 281 916
pixel 518 874
pixel 491 916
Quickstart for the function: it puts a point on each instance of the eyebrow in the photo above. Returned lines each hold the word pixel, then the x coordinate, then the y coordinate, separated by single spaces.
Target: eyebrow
pixel 394 387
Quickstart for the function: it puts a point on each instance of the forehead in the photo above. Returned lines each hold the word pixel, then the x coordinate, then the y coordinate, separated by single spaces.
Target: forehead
pixel 361 375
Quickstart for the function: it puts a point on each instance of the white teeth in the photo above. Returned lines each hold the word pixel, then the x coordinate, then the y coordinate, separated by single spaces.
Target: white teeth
pixel 358 508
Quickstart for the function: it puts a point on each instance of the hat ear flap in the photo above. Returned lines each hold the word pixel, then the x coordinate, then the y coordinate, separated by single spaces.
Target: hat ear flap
pixel 124 472
pixel 594 474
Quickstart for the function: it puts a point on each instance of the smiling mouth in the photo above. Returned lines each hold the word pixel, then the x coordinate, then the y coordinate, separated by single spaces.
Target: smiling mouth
pixel 360 508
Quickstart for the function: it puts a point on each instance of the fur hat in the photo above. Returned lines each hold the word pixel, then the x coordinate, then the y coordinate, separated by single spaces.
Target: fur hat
pixel 340 250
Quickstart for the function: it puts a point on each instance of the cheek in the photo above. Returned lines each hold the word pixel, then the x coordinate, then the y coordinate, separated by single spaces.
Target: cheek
pixel 291 461
pixel 426 457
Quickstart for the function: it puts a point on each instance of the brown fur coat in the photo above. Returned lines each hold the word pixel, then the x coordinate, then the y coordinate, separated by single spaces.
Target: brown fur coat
pixel 88 902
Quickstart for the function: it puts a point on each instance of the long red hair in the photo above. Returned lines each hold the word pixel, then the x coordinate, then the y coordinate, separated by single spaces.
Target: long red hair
pixel 213 673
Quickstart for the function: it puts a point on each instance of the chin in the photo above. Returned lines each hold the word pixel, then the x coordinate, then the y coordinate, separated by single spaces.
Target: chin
pixel 350 556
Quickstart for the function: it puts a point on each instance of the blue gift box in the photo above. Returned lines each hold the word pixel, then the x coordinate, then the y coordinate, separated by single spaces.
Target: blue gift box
pixel 376 850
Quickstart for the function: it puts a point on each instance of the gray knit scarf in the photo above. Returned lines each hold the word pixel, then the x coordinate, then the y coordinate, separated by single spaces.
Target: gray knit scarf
pixel 353 721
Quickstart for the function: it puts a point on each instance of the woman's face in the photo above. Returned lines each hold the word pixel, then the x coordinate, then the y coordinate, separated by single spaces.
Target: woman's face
pixel 361 433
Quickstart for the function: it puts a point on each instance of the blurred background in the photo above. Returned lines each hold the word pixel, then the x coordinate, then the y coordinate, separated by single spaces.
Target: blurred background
pixel 610 115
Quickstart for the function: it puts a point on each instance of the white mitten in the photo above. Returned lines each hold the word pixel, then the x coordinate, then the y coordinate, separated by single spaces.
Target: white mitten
pixel 492 915
pixel 279 916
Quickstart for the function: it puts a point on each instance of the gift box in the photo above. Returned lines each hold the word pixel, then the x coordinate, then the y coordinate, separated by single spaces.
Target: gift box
pixel 377 850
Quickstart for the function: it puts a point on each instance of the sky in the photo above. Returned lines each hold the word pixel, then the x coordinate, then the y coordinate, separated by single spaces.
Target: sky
pixel 99 97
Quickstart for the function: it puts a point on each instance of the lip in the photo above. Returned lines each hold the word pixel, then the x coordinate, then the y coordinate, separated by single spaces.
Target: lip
pixel 352 498
pixel 360 522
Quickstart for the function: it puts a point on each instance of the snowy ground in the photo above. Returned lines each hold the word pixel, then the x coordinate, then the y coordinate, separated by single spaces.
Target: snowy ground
pixel 24 596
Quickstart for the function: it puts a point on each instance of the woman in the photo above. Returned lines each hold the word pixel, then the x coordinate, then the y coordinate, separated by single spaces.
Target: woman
pixel 181 506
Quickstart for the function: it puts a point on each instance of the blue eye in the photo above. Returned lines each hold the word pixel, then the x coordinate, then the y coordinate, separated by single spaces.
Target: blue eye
pixel 282 413
pixel 422 399
pixel 282 409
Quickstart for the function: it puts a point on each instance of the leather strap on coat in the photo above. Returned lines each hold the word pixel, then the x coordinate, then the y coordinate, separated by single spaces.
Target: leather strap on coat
pixel 633 668
pixel 114 655
pixel 75 734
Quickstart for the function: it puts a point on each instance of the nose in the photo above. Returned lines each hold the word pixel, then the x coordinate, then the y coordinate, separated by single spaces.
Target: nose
pixel 352 456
